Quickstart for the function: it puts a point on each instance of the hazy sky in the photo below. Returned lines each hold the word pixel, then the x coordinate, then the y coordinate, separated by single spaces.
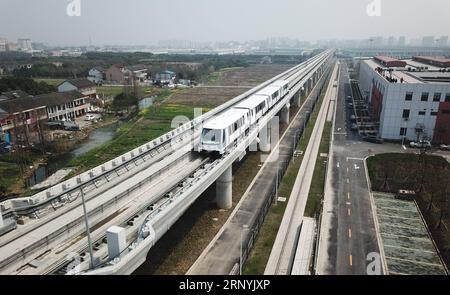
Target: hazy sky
pixel 131 22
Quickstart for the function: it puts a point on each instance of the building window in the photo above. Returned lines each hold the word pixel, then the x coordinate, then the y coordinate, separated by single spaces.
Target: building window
pixel 403 131
pixel 437 97
pixel 447 97
pixel 434 113
pixel 409 96
pixel 424 96
pixel 405 114
pixel 422 113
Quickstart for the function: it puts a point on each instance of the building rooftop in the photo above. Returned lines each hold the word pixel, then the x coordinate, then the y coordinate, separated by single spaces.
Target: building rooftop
pixel 411 75
pixel 389 61
pixel 100 69
pixel 39 101
pixel 440 61
pixel 137 68
pixel 80 83
pixel 13 94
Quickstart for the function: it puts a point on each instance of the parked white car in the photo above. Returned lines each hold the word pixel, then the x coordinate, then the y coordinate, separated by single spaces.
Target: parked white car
pixel 89 117
pixel 420 144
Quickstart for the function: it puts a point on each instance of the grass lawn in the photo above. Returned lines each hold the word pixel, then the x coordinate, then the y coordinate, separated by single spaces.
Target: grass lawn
pixel 9 175
pixel 313 205
pixel 11 179
pixel 112 91
pixel 259 255
pixel 215 76
pixel 149 124
pixel 51 81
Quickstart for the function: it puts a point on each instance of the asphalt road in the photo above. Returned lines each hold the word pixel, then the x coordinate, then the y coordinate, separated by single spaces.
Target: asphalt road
pixel 349 234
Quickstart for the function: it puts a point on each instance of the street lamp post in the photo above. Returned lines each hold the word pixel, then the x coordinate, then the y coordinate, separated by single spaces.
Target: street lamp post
pixel 88 232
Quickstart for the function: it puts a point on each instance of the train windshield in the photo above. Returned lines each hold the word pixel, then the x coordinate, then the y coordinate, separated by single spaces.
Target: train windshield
pixel 211 135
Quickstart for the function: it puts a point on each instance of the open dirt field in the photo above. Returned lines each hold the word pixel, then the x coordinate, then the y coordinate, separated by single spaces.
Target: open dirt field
pixel 250 76
pixel 205 96
pixel 229 85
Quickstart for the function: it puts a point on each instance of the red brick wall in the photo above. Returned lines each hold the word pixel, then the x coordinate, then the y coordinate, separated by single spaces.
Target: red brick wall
pixel 377 103
pixel 442 128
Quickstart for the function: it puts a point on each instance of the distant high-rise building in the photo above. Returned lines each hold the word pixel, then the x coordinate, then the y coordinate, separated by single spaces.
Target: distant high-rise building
pixel 11 46
pixel 377 41
pixel 401 41
pixel 3 44
pixel 392 41
pixel 428 41
pixel 443 41
pixel 24 45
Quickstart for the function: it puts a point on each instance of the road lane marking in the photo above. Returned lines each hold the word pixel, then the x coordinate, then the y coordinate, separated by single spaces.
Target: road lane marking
pixel 356 159
pixel 348 196
pixel 337 164
pixel 349 211
pixel 350 233
pixel 347 169
pixel 348 180
pixel 350 260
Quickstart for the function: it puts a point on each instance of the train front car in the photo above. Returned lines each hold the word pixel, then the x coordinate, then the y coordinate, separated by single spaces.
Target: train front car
pixel 220 132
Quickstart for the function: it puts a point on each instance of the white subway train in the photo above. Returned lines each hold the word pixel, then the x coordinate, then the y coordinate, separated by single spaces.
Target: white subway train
pixel 221 132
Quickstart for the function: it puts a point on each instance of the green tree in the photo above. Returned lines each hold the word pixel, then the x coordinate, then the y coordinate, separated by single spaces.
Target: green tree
pixel 124 100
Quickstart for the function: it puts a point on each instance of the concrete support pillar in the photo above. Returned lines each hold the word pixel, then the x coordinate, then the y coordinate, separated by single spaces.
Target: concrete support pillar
pixel 296 99
pixel 264 136
pixel 224 192
pixel 284 116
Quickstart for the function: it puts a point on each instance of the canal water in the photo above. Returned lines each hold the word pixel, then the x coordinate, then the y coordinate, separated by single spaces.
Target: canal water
pixel 96 139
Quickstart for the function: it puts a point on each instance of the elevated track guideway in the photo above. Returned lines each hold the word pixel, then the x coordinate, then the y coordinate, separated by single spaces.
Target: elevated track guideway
pixel 286 247
pixel 144 192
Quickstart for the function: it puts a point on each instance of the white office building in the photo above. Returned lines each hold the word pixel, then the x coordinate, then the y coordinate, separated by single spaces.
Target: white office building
pixel 409 99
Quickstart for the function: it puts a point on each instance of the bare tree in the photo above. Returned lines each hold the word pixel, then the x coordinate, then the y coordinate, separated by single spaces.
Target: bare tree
pixel 388 170
pixel 444 198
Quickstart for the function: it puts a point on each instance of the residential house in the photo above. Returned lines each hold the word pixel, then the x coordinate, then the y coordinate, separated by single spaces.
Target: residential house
pixel 65 105
pixel 118 74
pixel 22 119
pixel 139 72
pixel 82 85
pixel 96 75
pixel 121 75
pixel 165 76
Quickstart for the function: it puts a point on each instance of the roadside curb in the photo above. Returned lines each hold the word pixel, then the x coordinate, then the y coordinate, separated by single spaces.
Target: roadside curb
pixel 375 218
